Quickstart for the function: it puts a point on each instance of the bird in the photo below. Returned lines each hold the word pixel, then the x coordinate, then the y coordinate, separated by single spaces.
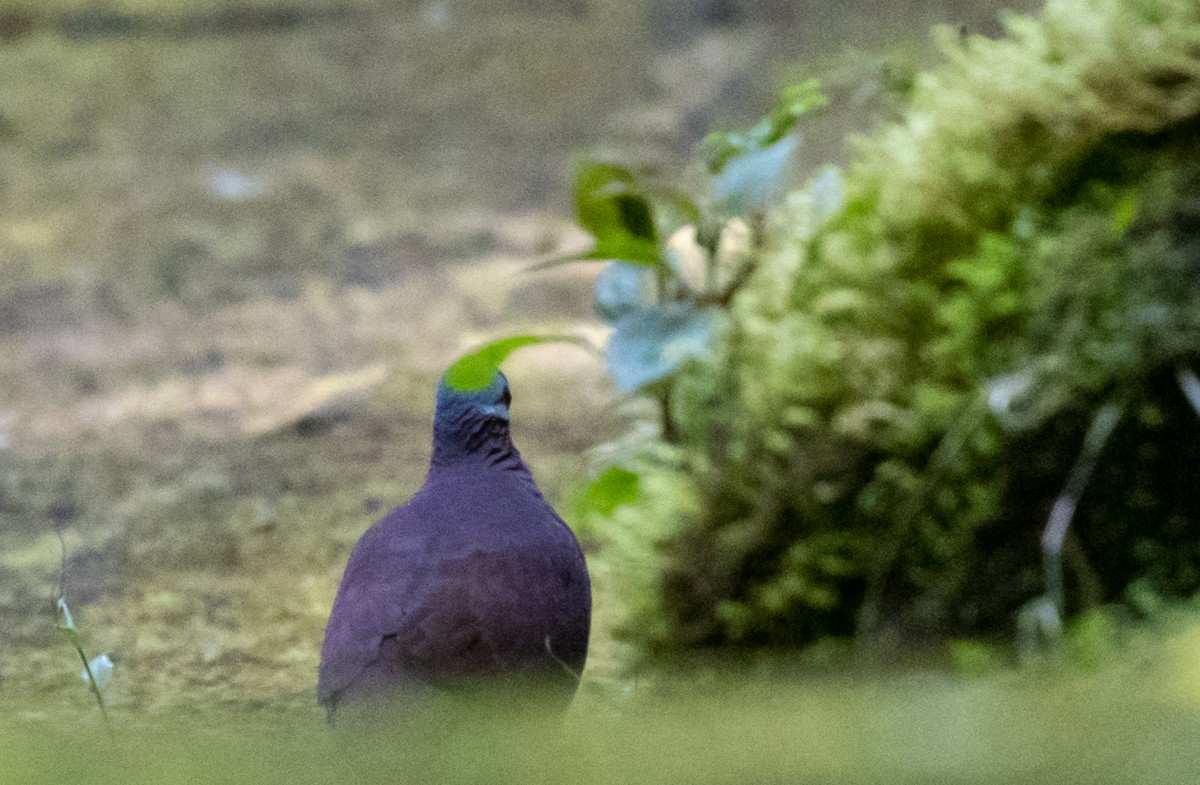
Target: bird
pixel 474 582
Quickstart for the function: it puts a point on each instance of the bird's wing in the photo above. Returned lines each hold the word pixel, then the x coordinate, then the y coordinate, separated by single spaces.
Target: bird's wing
pixel 373 602
pixel 479 612
pixel 484 615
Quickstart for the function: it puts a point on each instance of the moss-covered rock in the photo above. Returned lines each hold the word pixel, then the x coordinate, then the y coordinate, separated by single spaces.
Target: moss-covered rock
pixel 902 387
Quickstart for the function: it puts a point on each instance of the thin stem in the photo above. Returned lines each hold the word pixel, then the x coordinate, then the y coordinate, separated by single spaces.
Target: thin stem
pixel 67 625
pixel 948 449
pixel 570 671
pixel 1067 502
pixel 669 434
pixel 87 667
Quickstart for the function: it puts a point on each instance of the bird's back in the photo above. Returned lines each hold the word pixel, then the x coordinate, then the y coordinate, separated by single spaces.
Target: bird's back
pixel 474 579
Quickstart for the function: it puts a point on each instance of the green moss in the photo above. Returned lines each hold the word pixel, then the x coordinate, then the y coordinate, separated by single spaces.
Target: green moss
pixel 903 385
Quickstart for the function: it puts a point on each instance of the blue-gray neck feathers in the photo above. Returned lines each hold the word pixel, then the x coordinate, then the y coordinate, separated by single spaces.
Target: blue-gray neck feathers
pixel 473 425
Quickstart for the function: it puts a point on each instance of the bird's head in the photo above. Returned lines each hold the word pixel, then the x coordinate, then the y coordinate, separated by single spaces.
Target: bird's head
pixel 471 422
pixel 471 419
pixel 490 402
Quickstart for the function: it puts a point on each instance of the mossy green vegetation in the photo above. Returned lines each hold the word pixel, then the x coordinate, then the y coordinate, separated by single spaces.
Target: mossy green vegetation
pixel 900 389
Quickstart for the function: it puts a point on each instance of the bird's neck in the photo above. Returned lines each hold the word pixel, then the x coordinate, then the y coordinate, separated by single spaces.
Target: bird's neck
pixel 479 442
pixel 486 447
pixel 465 441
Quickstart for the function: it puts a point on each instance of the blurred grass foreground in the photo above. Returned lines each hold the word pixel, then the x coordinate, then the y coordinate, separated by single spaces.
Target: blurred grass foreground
pixel 926 345
pixel 914 730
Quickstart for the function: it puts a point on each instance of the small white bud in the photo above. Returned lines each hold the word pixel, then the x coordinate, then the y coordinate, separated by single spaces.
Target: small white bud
pixel 102 667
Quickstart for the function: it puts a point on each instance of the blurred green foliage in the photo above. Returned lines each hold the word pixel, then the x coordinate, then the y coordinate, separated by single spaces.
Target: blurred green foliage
pixel 795 101
pixel 896 394
pixel 1122 724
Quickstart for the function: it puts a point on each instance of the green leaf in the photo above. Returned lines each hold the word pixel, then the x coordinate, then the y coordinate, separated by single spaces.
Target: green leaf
pixel 796 100
pixel 476 370
pixel 614 487
pixel 611 207
pixel 660 196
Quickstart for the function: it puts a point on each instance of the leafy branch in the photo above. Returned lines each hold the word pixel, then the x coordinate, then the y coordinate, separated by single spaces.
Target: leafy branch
pixel 676 261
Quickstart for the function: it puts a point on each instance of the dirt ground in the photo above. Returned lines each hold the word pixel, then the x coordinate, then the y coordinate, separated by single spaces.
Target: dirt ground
pixel 233 266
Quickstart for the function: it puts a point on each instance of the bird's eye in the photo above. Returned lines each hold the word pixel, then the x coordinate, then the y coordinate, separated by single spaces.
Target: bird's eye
pixel 506 397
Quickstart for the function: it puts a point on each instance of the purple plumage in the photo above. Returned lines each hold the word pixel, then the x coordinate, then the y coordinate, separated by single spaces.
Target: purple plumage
pixel 475 579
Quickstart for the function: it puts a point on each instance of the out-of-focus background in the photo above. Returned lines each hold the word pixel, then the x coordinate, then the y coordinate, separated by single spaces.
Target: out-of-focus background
pixel 239 241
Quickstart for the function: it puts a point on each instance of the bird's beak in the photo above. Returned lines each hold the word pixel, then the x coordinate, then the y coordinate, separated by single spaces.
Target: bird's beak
pixel 497 410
